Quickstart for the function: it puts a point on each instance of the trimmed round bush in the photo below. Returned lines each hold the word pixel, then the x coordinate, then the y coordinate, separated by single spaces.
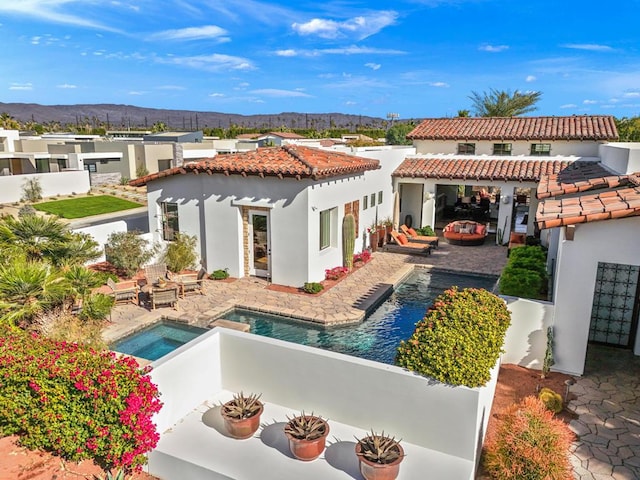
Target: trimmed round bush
pixel 551 400
pixel 313 287
pixel 76 402
pixel 529 444
pixel 459 340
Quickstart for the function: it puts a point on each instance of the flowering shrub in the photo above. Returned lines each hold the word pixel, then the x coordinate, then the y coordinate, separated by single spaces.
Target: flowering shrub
pixel 335 273
pixel 363 257
pixel 459 340
pixel 529 444
pixel 76 402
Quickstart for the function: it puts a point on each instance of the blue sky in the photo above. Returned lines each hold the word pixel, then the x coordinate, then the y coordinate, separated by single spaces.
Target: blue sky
pixel 417 58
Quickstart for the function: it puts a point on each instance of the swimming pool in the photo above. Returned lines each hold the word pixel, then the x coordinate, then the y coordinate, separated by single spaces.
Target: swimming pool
pixel 157 340
pixel 379 335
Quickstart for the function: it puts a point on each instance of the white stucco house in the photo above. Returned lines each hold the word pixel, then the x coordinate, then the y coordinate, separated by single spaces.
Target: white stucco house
pixel 275 212
pixel 457 157
pixel 589 214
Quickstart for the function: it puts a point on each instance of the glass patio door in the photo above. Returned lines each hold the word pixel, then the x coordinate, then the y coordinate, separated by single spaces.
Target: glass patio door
pixel 614 314
pixel 259 248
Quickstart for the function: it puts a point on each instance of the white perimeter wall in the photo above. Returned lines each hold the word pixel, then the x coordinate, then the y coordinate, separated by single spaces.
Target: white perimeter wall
pixel 621 157
pixel 57 183
pixel 611 241
pixel 100 233
pixel 346 389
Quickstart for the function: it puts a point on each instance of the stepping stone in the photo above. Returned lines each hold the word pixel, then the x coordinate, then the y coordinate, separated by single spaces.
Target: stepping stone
pixel 242 327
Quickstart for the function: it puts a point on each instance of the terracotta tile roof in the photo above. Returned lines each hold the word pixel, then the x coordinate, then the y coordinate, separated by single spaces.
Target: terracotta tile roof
pixel 584 127
pixel 288 135
pixel 247 136
pixel 607 205
pixel 582 176
pixel 478 169
pixel 287 161
pixel 617 196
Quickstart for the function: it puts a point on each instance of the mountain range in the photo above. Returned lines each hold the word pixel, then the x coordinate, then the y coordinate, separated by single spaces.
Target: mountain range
pixel 116 117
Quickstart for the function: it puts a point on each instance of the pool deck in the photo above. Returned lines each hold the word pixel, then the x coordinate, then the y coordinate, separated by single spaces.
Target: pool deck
pixel 346 302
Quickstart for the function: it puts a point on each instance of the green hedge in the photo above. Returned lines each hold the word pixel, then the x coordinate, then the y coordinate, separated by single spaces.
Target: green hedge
pixel 459 340
pixel 76 402
pixel 525 274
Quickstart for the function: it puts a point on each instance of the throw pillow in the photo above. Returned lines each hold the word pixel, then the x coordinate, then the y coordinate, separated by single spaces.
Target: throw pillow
pixel 412 232
pixel 464 229
pixel 456 228
pixel 402 239
pixel 481 229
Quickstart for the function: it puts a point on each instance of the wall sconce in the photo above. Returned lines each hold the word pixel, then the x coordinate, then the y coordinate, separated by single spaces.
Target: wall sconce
pixel 570 231
pixel 427 196
pixel 314 208
pixel 506 199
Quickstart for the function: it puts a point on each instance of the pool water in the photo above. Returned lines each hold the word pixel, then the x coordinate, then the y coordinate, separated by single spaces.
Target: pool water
pixel 157 340
pixel 376 338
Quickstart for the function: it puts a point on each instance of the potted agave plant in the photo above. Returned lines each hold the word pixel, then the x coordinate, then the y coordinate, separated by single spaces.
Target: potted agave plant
pixel 307 435
pixel 241 415
pixel 380 456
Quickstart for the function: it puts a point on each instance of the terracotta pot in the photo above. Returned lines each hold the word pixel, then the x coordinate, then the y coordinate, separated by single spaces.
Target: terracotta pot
pixel 379 471
pixel 382 236
pixel 373 241
pixel 242 428
pixel 307 450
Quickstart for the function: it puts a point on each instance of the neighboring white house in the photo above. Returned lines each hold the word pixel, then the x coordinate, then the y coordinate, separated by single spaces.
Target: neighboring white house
pixel 590 217
pixel 457 157
pixel 275 212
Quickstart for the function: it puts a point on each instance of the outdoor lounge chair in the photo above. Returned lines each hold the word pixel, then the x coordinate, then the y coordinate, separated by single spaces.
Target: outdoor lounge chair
pixel 124 292
pixel 516 240
pixel 402 245
pixel 155 272
pixel 413 236
pixel 191 282
pixel 164 296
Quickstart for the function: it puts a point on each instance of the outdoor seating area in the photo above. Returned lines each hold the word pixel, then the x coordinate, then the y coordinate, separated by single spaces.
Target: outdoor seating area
pixel 164 296
pixel 413 236
pixel 465 233
pixel 516 240
pixel 190 283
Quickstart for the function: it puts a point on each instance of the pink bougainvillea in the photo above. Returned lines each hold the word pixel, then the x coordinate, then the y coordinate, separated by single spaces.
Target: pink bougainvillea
pixel 77 402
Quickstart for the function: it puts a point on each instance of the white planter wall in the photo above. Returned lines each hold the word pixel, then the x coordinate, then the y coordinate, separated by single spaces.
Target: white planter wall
pixel 57 183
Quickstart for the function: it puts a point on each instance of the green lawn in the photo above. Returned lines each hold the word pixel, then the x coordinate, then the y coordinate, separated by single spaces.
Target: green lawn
pixel 85 206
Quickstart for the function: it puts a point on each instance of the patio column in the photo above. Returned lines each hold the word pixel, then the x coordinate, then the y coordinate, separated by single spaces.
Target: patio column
pixel 505 213
pixel 533 207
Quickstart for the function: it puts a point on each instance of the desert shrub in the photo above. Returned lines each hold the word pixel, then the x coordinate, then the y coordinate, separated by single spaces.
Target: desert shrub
pixel 26 210
pixel 219 274
pixel 141 171
pixel 427 231
pixel 551 400
pixel 61 325
pixel 124 181
pixel 529 444
pixel 313 287
pixel 76 402
pixel 459 340
pixel 96 307
pixel 128 251
pixel 31 190
pixel 180 253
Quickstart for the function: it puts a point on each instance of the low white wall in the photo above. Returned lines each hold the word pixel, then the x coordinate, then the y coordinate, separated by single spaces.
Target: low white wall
pixel 100 233
pixel 57 183
pixel 350 390
pixel 525 343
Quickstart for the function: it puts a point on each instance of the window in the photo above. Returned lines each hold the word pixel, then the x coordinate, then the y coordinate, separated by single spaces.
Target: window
pixel 164 165
pixel 91 167
pixel 353 208
pixel 365 202
pixel 466 149
pixel 379 197
pixel 373 199
pixel 541 149
pixel 169 220
pixel 42 165
pixel 502 149
pixel 326 219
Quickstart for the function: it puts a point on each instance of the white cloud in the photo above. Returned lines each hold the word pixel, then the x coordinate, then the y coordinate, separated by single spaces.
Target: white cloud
pixel 356 50
pixel 216 94
pixel 35 40
pixel 289 52
pixel 349 102
pixel 214 63
pixel 21 86
pixel 49 10
pixel 569 105
pixel 193 33
pixel 241 86
pixel 373 66
pixel 631 94
pixel 589 102
pixel 493 48
pixel 66 86
pixel 439 84
pixel 530 78
pixel 359 27
pixel 137 92
pixel 593 47
pixel 274 92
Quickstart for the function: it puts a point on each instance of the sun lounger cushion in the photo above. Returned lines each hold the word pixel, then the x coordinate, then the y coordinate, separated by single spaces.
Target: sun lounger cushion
pixel 402 239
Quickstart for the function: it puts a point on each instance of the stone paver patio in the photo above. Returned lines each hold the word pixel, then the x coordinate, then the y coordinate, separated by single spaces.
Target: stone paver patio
pixel 608 425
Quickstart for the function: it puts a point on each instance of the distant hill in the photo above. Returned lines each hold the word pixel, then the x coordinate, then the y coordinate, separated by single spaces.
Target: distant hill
pixel 116 117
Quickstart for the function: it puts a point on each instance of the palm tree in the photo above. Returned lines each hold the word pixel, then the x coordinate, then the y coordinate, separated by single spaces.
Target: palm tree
pixel 27 289
pixel 500 103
